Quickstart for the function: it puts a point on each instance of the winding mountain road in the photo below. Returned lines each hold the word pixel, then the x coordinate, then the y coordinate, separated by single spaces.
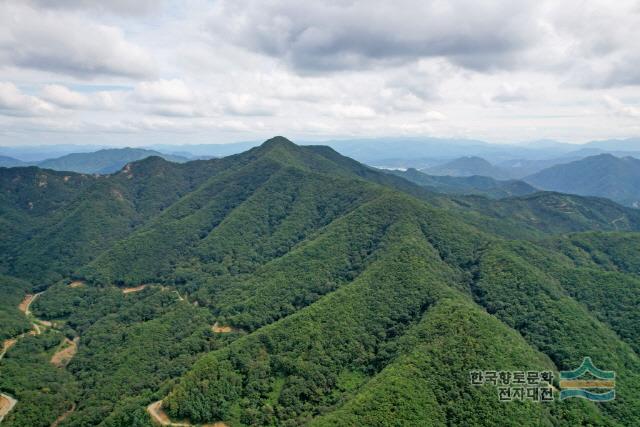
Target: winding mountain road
pixel 6 405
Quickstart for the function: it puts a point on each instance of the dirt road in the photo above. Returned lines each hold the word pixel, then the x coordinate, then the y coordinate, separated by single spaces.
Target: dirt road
pixel 223 329
pixel 62 417
pixel 25 305
pixel 64 356
pixel 6 405
pixel 158 415
pixel 135 289
pixel 6 345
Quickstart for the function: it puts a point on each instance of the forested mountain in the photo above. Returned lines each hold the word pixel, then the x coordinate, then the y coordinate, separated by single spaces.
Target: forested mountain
pixel 290 285
pixel 468 166
pixel 604 175
pixel 520 168
pixel 103 161
pixel 479 185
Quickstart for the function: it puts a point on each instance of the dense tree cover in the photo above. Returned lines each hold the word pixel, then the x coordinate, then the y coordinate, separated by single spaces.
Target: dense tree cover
pixel 43 391
pixel 130 345
pixel 12 321
pixel 429 383
pixel 540 214
pixel 353 328
pixel 600 271
pixel 263 181
pixel 54 222
pixel 347 302
pixel 29 197
pixel 534 302
pixel 611 251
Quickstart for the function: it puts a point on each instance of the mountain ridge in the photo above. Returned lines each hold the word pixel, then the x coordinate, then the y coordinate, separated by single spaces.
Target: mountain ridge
pixel 474 184
pixel 602 175
pixel 103 161
pixel 468 166
pixel 291 285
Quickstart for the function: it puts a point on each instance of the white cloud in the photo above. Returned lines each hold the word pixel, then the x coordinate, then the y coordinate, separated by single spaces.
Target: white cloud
pixel 13 102
pixel 242 69
pixel 435 116
pixel 620 108
pixel 67 44
pixel 352 111
pixel 166 98
pixel 509 93
pixel 169 91
pixel 336 35
pixel 121 7
pixel 245 104
pixel 64 97
pixel 600 41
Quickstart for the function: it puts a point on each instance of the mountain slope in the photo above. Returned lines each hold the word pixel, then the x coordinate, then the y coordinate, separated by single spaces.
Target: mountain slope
pixel 56 221
pixel 415 389
pixel 329 182
pixel 103 161
pixel 542 213
pixel 604 175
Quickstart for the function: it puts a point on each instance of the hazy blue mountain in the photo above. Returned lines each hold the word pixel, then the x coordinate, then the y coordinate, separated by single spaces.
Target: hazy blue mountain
pixel 468 166
pixel 604 175
pixel 520 168
pixel 9 162
pixel 478 185
pixel 402 151
pixel 103 161
pixel 386 152
pixel 202 151
pixel 628 144
pixel 404 164
pixel 38 153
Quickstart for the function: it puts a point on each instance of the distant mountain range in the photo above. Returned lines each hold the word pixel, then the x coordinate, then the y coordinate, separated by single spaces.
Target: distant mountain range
pixel 99 162
pixel 422 152
pixel 9 162
pixel 478 185
pixel 468 166
pixel 603 175
pixel 571 171
pixel 418 152
pixel 519 168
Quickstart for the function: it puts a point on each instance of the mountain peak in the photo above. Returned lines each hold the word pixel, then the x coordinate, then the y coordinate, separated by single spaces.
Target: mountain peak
pixel 278 141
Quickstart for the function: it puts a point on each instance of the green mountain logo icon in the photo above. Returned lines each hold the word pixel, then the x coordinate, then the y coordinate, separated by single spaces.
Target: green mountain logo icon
pixel 600 387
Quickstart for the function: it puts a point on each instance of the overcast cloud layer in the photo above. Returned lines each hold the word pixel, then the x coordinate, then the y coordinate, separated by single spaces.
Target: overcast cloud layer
pixel 133 73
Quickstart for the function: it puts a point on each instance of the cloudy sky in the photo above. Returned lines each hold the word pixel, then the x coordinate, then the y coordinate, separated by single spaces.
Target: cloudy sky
pixel 119 72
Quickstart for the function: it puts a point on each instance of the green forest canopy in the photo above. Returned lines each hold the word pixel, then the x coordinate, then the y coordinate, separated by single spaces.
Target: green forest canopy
pixel 352 297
